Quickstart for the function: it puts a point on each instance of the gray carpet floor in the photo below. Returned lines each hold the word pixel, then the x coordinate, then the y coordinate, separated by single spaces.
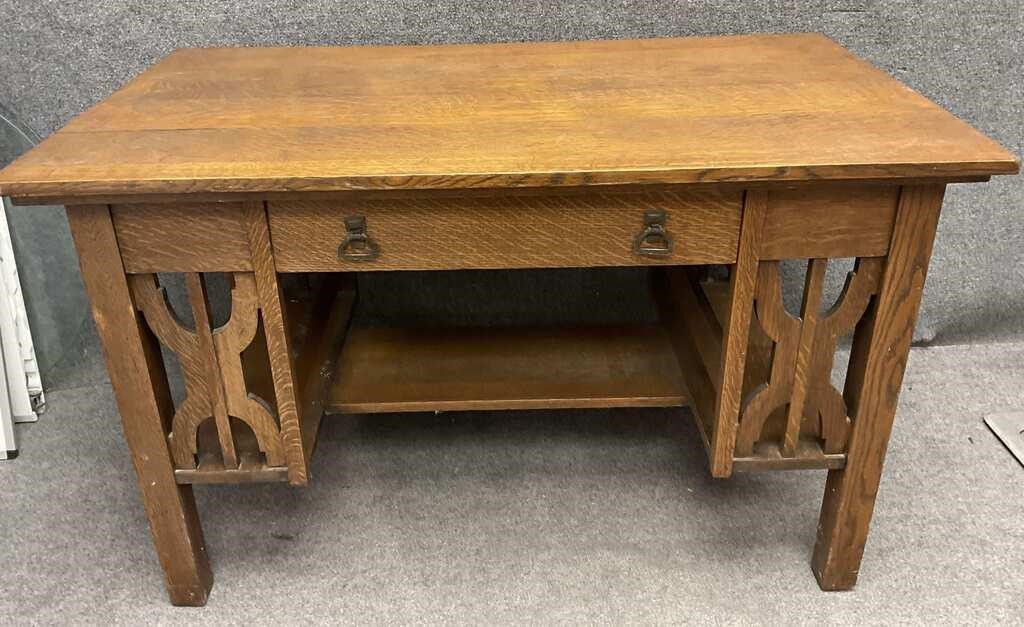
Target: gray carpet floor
pixel 532 517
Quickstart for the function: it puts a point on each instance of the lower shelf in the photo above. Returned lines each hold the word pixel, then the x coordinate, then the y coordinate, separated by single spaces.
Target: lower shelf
pixel 398 370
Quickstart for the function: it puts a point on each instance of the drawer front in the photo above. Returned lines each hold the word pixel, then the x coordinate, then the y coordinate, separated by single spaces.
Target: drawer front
pixel 514 231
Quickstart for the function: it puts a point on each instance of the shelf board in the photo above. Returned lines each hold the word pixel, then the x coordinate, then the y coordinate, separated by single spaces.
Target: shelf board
pixel 397 370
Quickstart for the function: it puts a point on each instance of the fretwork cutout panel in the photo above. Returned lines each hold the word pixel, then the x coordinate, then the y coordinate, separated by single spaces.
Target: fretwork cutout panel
pixel 226 397
pixel 789 401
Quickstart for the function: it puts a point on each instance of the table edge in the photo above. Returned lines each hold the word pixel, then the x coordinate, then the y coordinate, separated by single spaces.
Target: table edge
pixel 41 192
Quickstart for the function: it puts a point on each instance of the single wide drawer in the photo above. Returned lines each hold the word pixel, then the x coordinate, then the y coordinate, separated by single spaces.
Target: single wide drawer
pixel 519 230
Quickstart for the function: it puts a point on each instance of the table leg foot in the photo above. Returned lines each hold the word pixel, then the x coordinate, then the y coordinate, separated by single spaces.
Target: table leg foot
pixel 839 549
pixel 178 539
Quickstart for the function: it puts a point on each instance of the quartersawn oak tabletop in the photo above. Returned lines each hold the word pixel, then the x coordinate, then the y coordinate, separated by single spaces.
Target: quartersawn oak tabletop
pixel 707 109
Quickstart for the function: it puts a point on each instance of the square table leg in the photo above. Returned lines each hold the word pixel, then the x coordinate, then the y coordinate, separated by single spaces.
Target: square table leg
pixel 880 348
pixel 140 387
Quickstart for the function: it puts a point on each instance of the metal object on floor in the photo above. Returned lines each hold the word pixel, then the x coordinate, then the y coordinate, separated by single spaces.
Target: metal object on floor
pixel 1009 428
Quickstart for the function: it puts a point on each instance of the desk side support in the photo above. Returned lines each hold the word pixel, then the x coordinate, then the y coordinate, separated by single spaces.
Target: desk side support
pixel 881 345
pixel 144 401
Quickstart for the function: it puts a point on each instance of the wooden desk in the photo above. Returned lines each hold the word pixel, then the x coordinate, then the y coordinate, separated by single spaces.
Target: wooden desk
pixel 673 154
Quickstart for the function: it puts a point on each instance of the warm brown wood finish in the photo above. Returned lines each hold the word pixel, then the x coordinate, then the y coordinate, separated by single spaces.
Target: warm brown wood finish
pixel 574 229
pixel 672 290
pixel 140 386
pixel 702 109
pixel 810 312
pixel 317 326
pixel 878 359
pixel 805 456
pixel 845 221
pixel 211 366
pixel 737 328
pixel 275 328
pixel 211 467
pixel 389 370
pixel 783 332
pixel 168 200
pixel 207 348
pixel 703 327
pixel 743 151
pixel 579 230
pixel 789 395
pixel 318 351
pixel 680 295
pixel 182 237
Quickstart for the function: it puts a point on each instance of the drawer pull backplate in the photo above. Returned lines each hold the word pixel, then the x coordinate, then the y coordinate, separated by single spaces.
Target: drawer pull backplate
pixel 357 245
pixel 653 240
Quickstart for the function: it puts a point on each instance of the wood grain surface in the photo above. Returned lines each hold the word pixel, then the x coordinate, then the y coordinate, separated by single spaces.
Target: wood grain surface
pixel 317 352
pixel 878 358
pixel 388 369
pixel 188 236
pixel 738 108
pixel 144 402
pixel 703 326
pixel 736 326
pixel 831 220
pixel 185 236
pixel 572 230
pixel 768 456
pixel 669 288
pixel 212 369
pixel 275 329
pixel 210 468
pixel 206 348
pixel 810 313
pixel 783 331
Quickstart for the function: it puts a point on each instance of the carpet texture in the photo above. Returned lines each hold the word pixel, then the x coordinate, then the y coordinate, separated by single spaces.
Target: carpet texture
pixel 534 517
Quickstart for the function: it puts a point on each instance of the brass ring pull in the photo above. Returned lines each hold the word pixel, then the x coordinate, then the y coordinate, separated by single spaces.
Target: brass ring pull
pixel 357 245
pixel 653 240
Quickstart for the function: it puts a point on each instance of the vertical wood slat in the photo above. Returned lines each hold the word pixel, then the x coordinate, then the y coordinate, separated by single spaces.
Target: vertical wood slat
pixel 842 318
pixel 151 300
pixel 879 357
pixel 196 286
pixel 698 316
pixel 783 333
pixel 230 341
pixel 316 364
pixel 668 288
pixel 814 284
pixel 278 343
pixel 736 328
pixel 140 388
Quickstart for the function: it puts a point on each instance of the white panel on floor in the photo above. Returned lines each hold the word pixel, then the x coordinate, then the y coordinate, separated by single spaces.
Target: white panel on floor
pixel 19 379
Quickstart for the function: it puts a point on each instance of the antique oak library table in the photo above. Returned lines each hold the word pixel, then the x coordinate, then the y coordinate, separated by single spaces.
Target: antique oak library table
pixel 707 161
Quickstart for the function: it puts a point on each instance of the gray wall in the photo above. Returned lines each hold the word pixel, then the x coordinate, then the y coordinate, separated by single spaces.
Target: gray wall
pixel 58 58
